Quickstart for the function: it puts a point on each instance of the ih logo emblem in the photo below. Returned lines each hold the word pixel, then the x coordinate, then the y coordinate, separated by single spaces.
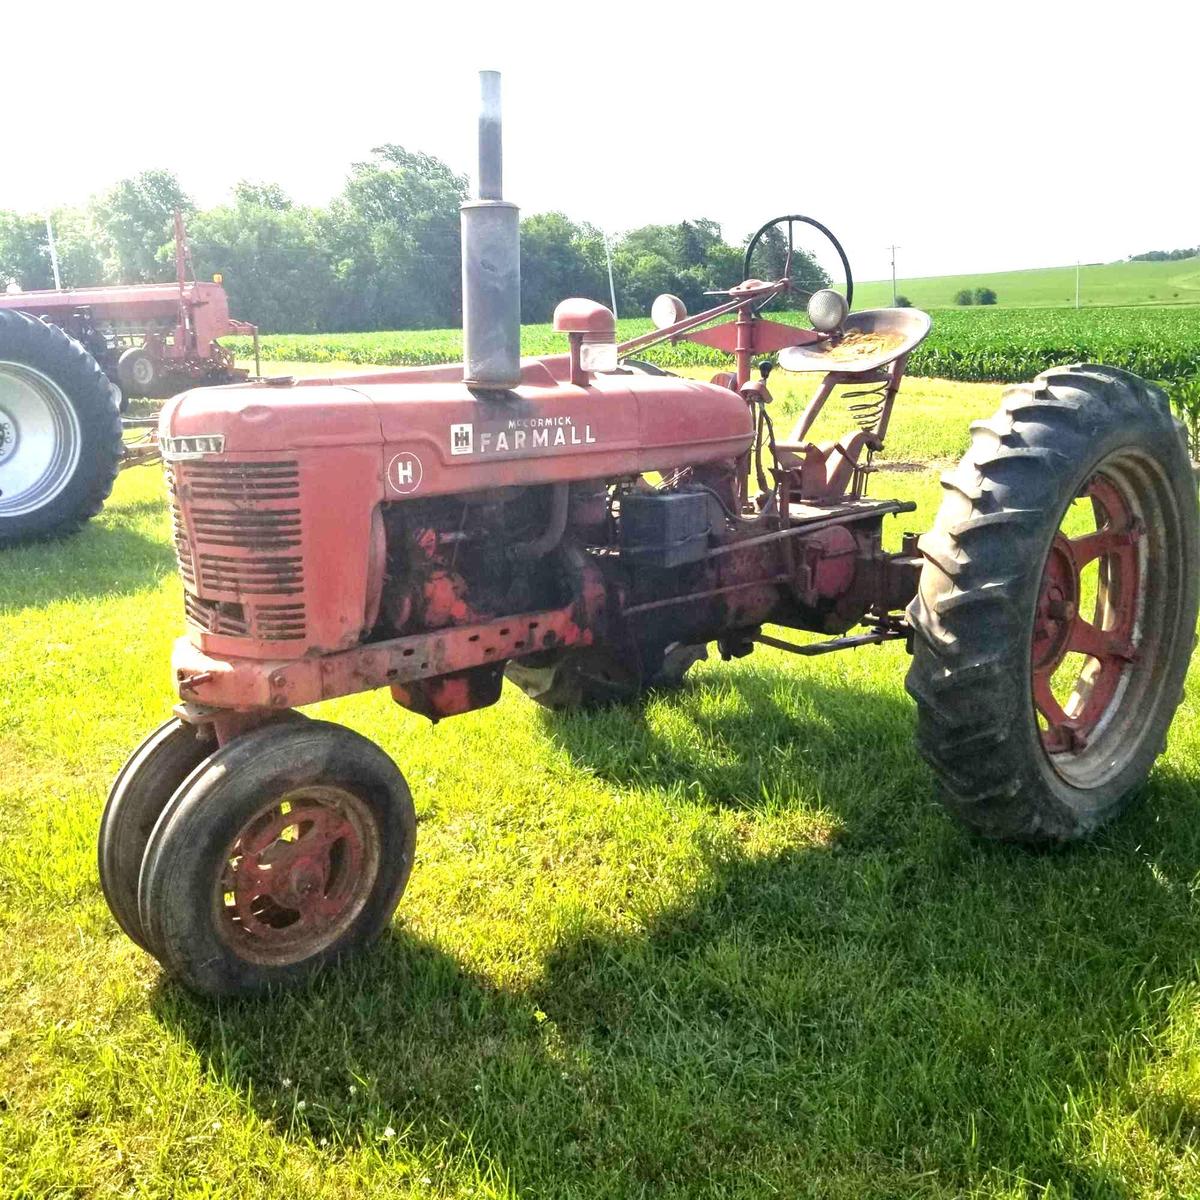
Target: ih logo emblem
pixel 404 473
pixel 462 438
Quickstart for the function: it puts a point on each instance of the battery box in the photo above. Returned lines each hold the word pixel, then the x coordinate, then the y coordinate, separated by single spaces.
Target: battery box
pixel 665 529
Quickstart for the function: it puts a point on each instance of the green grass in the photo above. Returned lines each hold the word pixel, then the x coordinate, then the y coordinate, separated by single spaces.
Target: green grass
pixel 724 944
pixel 968 344
pixel 1116 283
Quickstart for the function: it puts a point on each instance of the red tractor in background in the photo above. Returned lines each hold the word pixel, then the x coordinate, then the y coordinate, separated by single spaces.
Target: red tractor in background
pixel 586 526
pixel 71 360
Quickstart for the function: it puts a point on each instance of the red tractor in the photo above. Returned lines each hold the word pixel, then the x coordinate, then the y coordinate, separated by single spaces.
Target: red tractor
pixel 63 354
pixel 586 527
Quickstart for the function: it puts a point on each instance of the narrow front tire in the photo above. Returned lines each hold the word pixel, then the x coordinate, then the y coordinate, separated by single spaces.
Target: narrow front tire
pixel 139 794
pixel 287 850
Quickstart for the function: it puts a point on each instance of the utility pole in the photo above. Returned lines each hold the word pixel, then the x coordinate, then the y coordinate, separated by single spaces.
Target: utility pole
pixel 53 254
pixel 612 291
pixel 893 249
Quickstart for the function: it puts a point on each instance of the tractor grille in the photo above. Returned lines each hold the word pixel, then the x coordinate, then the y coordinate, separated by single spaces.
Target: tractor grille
pixel 243 483
pixel 237 532
pixel 183 548
pixel 278 530
pixel 273 576
pixel 216 616
pixel 272 622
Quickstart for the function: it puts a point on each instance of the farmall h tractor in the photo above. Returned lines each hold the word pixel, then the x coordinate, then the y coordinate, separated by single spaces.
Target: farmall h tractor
pixel 586 527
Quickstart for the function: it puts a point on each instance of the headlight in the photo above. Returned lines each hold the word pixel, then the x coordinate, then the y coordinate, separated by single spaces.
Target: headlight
pixel 827 309
pixel 667 310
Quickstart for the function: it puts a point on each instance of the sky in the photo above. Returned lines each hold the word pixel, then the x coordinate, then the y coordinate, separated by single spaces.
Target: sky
pixel 975 136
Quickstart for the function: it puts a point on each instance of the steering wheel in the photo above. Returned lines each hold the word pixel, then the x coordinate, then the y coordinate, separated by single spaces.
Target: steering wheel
pixel 778 251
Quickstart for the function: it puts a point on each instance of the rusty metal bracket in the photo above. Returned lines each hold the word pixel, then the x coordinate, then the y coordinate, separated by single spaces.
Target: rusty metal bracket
pixel 888 634
pixel 255 683
pixel 837 517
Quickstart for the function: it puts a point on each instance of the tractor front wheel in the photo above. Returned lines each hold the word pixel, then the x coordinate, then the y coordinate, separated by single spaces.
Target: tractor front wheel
pixel 1057 606
pixel 138 796
pixel 286 849
pixel 140 792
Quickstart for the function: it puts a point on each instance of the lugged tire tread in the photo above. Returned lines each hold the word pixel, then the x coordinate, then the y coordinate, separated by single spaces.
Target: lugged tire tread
pixel 1020 454
pixel 26 340
pixel 985 521
pixel 980 557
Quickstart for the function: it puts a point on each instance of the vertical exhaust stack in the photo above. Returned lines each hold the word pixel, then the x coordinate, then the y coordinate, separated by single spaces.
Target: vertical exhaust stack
pixel 491 262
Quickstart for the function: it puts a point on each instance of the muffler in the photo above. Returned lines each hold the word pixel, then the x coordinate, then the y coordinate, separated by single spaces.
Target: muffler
pixel 491 262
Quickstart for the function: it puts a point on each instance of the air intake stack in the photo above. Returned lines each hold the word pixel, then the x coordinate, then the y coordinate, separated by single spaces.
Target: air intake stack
pixel 491 262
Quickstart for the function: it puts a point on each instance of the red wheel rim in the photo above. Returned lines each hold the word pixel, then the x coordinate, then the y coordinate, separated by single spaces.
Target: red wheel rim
pixel 297 874
pixel 1075 698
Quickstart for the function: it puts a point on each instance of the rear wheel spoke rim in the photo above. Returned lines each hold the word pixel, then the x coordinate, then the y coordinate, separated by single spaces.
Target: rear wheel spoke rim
pixel 1106 639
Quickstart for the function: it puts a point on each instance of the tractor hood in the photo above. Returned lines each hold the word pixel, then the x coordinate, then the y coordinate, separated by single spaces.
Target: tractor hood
pixel 435 436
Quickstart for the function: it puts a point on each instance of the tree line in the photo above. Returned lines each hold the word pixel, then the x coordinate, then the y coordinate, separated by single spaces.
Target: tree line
pixel 383 254
pixel 1166 255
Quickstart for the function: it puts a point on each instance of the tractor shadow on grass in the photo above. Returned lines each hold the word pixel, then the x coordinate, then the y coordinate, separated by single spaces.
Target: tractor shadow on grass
pixel 109 556
pixel 759 735
pixel 909 1014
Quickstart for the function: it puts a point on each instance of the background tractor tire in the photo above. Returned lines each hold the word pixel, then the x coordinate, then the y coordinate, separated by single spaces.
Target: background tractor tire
pixel 1002 607
pixel 138 373
pixel 60 432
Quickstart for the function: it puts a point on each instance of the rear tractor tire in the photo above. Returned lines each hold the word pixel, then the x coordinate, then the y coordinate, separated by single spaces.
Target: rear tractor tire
pixel 1056 612
pixel 60 432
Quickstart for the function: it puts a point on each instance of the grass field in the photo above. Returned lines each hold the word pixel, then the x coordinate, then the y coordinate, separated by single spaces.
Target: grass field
pixel 724 944
pixel 1100 284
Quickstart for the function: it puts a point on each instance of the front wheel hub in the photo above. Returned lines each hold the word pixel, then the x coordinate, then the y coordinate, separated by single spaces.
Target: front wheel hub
pixel 297 875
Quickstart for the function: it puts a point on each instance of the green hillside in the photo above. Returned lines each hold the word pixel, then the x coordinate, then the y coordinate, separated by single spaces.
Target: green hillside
pixel 1052 287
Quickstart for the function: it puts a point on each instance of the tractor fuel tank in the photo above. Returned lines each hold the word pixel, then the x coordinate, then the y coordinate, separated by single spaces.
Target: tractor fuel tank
pixel 435 436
